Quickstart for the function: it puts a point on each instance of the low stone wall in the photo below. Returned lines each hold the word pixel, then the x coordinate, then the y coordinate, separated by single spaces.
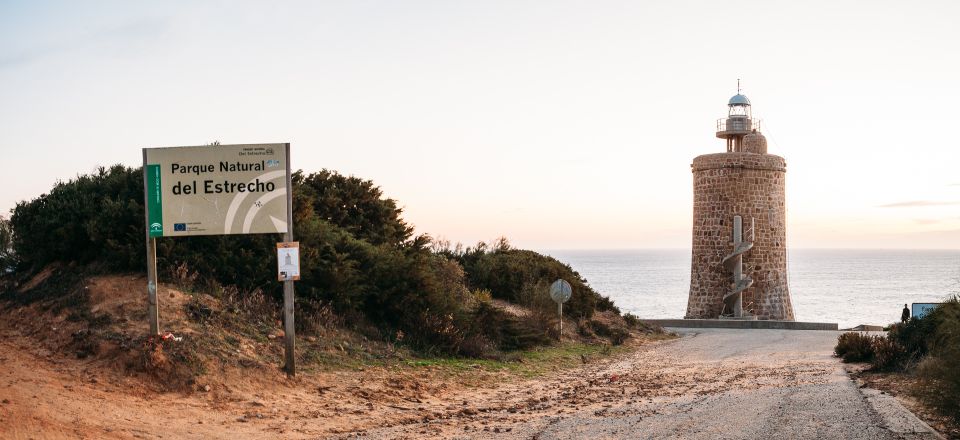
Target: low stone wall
pixel 737 323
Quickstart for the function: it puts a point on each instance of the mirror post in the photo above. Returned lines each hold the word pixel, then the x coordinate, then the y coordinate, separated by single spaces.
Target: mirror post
pixel 560 309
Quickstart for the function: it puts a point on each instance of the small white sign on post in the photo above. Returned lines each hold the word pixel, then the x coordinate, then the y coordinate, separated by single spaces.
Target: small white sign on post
pixel 288 261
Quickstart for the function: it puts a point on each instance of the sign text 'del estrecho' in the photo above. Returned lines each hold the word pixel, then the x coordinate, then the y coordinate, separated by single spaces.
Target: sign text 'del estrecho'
pixel 217 190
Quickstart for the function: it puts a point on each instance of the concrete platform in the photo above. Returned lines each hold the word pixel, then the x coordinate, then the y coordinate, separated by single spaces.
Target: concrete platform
pixel 737 323
pixel 865 328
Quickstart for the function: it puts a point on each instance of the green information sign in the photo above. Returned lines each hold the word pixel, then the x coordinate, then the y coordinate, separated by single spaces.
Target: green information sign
pixel 154 201
pixel 217 190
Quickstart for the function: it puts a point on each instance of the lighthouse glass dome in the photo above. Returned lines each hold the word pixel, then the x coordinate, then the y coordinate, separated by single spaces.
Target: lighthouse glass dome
pixel 739 106
pixel 739 99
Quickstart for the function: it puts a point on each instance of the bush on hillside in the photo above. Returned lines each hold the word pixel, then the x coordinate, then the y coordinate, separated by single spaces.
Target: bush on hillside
pixel 888 355
pixel 95 217
pixel 7 260
pixel 928 346
pixel 354 205
pixel 854 347
pixel 938 372
pixel 524 277
pixel 616 334
pixel 884 353
pixel 913 336
pixel 940 383
pixel 358 257
pixel 511 332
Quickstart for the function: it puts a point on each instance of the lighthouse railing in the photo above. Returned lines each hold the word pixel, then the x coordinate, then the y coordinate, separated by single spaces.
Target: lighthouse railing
pixel 737 125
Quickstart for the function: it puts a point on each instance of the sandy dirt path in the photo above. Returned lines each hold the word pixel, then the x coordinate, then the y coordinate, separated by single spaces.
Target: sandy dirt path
pixel 710 384
pixel 44 397
pixel 707 384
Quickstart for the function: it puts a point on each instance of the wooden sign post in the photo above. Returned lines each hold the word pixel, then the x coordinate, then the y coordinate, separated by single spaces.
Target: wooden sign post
pixel 219 190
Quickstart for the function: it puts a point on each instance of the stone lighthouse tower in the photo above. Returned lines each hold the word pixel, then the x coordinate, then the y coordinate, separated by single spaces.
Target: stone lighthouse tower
pixel 739 264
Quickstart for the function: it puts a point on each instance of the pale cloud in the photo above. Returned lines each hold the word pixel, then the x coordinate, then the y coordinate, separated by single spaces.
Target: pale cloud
pixel 926 221
pixel 130 30
pixel 917 203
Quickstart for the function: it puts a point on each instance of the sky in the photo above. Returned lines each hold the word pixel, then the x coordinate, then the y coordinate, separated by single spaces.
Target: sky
pixel 557 124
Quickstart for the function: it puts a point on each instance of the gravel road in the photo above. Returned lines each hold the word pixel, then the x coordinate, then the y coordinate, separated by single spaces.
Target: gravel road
pixel 709 384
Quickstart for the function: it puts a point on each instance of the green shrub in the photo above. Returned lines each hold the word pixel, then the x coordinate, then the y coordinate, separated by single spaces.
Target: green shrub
pixel 913 336
pixel 96 217
pixel 945 324
pixel 939 373
pixel 617 335
pixel 854 347
pixel 632 320
pixel 354 205
pixel 524 277
pixel 7 260
pixel 888 355
pixel 940 383
pixel 357 252
pixel 358 259
pixel 509 332
pixel 929 346
pixel 884 353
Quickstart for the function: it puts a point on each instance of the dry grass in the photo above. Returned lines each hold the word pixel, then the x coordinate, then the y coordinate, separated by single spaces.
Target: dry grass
pixel 103 319
pixel 904 387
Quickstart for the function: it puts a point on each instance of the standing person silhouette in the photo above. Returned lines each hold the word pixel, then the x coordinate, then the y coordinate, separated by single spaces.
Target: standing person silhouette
pixel 905 316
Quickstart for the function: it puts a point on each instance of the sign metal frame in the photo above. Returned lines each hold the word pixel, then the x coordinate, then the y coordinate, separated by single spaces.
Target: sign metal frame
pixel 152 193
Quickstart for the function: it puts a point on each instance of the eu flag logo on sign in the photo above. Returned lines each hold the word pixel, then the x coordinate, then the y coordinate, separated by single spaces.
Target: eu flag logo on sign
pixel 180 227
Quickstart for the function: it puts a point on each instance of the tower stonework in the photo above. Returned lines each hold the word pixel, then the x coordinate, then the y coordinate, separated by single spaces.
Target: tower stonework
pixel 739 272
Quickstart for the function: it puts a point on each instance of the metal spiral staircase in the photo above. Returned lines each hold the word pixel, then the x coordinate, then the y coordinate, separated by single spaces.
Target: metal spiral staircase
pixel 733 300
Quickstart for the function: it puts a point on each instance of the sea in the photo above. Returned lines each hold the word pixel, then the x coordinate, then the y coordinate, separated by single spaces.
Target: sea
pixel 846 286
